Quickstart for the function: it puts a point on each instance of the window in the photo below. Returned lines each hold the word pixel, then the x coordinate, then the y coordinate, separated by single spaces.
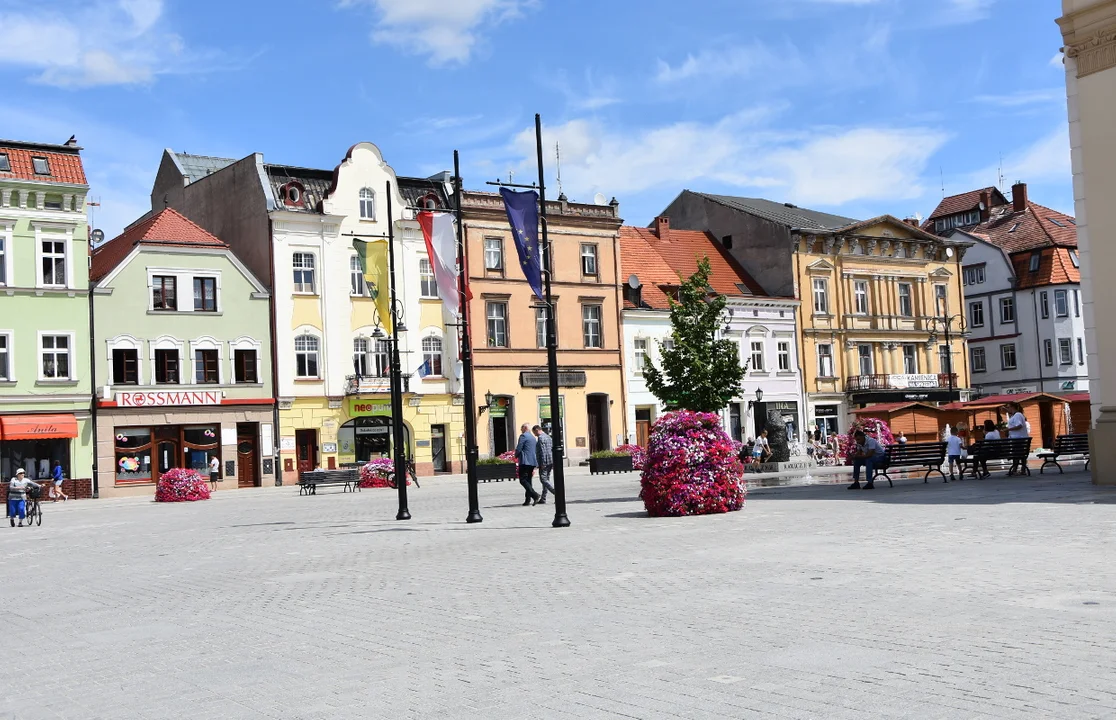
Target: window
pixel 125 367
pixel 493 255
pixel 910 359
pixel 640 354
pixel 973 275
pixel 1036 260
pixel 1065 351
pixel 1055 222
pixel 56 357
pixel 905 307
pixel 1007 356
pixel 497 316
pixel 1074 259
pixel 166 367
pixel 53 202
pixel 431 357
pixel 306 356
pixel 244 367
pixel 1007 310
pixel 668 344
pixel 589 259
pixel 361 360
pixel 591 325
pixel 303 272
pixel 164 292
pixel 367 204
pixel 784 356
pixel 371 358
pixel 821 296
pixel 291 194
pixel 1061 303
pixel 945 359
pixel 1080 352
pixel 3 261
pixel 428 287
pixel 1048 351
pixel 5 165
pixel 757 356
pixel 977 359
pixel 381 358
pixel 976 314
pixel 41 165
pixel 540 327
pixel 1044 304
pixel 727 241
pixel 5 358
pixel 860 288
pixel 1076 297
pixel 941 304
pixel 357 286
pixel 865 355
pixel 825 361
pixel 206 369
pixel 205 294
pixel 54 262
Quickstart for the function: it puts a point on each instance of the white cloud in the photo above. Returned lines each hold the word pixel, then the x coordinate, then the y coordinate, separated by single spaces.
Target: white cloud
pixel 727 62
pixel 1058 61
pixel 1045 160
pixel 1023 97
pixel 445 30
pixel 101 43
pixel 965 11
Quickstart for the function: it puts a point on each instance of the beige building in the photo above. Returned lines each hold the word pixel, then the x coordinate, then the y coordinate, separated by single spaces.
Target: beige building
pixel 507 323
pixel 1089 31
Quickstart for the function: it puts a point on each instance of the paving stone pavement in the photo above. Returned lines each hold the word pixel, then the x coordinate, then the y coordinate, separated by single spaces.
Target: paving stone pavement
pixel 989 599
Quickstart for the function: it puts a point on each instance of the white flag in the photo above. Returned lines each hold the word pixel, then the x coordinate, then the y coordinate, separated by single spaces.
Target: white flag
pixel 441 249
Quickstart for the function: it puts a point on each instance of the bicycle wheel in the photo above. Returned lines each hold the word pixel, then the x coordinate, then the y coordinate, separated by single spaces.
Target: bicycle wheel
pixel 38 514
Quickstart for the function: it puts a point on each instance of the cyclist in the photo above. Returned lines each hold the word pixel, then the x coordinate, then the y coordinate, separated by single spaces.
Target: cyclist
pixel 17 496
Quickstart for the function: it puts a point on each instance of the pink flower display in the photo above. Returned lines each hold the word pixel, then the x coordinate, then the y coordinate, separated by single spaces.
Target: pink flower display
pixel 181 485
pixel 377 473
pixel 692 467
pixel 639 455
pixel 873 427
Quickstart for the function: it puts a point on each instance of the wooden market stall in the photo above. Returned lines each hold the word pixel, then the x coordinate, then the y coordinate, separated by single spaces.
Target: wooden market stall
pixel 917 420
pixel 1050 415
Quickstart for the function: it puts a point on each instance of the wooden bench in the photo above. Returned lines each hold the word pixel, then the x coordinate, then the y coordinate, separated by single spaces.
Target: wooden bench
pixel 308 482
pixel 1075 444
pixel 930 455
pixel 1015 449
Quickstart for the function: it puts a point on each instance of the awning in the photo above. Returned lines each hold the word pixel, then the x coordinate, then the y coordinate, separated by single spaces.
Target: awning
pixel 35 427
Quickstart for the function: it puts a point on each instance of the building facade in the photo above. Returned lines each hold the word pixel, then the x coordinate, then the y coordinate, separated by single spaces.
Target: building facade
pixel 45 386
pixel 507 325
pixel 874 296
pixel 1089 33
pixel 181 359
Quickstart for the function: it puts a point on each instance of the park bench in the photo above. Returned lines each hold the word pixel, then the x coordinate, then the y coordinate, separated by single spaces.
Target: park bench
pixel 1015 449
pixel 930 455
pixel 1075 444
pixel 308 482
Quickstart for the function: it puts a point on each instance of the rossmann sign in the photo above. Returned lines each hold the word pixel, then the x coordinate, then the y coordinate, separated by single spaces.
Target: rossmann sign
pixel 162 399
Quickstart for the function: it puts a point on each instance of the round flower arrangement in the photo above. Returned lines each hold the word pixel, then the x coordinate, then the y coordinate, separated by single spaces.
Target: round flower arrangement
pixel 873 427
pixel 639 455
pixel 692 467
pixel 378 473
pixel 181 485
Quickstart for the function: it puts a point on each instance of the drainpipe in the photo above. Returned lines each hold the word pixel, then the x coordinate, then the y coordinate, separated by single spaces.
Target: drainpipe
pixel 275 434
pixel 619 295
pixel 1038 343
pixel 93 380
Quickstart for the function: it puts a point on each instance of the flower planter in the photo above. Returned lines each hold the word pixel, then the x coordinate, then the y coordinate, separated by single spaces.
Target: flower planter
pixel 598 466
pixel 496 472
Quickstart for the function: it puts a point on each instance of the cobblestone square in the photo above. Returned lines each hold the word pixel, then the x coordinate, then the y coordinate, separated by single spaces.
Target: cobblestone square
pixel 990 599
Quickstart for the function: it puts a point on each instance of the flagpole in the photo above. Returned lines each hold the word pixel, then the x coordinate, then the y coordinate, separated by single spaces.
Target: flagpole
pixel 396 379
pixel 471 450
pixel 560 517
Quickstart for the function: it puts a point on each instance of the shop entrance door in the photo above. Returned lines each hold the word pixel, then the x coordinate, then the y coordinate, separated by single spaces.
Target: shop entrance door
pixel 597 407
pixel 246 456
pixel 643 426
pixel 438 447
pixel 168 457
pixel 306 444
pixel 1046 422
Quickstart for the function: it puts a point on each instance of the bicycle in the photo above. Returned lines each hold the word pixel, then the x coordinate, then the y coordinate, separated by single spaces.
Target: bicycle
pixel 410 472
pixel 34 514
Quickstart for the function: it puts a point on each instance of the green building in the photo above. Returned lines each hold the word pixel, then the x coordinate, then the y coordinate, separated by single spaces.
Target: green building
pixel 182 359
pixel 45 385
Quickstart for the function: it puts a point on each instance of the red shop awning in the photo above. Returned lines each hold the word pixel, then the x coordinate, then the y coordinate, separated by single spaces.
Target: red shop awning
pixel 34 427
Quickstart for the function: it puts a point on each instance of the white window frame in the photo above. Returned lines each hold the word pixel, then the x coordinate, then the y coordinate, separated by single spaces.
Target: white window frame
pixel 1061 303
pixel 976 313
pixel 40 256
pixel 165 342
pixel 941 299
pixel 366 199
pixel 825 360
pixel 590 256
pixel 299 287
pixel 784 353
pixel 497 252
pixel 974 354
pixel 70 352
pixel 357 285
pixel 861 357
pixel 316 352
pixel 1065 351
pixel 8 336
pixel 1005 304
pixel 587 329
pixel 1044 304
pixel 7 252
pixel 756 353
pixel 1003 357
pixel 362 355
pixel 540 327
pixel 821 296
pixel 639 354
pixel 860 291
pixel 205 342
pixel 491 331
pixel 945 359
pixel 438 372
pixel 245 342
pixel 428 283
pixel 913 357
pixel 125 342
pixel 906 309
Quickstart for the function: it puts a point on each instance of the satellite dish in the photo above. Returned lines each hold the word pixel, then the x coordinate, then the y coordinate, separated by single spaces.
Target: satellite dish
pixel 600 199
pixel 633 282
pixel 949 252
pixel 981 206
pixel 97 236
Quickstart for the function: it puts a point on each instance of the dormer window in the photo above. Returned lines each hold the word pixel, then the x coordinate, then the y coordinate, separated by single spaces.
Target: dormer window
pixel 41 165
pixel 428 202
pixel 1036 258
pixel 1055 222
pixel 292 194
pixel 367 204
pixel 5 164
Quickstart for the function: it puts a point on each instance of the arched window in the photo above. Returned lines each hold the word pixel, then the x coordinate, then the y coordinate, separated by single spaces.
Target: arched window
pixel 367 204
pixel 431 357
pixel 306 356
pixel 362 364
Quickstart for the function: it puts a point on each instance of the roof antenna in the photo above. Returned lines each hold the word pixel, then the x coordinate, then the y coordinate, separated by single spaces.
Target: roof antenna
pixel 1000 171
pixel 511 176
pixel 558 159
pixel 941 173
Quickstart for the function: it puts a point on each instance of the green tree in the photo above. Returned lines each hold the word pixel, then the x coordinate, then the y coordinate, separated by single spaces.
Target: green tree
pixel 700 372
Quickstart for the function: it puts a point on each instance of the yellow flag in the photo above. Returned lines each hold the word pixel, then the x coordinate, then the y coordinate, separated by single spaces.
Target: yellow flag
pixel 374 264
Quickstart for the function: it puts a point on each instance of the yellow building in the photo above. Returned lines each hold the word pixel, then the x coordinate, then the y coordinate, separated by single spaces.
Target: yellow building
pixel 507 325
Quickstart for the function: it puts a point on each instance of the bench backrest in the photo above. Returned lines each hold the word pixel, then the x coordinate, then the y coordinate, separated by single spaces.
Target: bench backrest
pixel 1006 448
pixel 327 475
pixel 1075 443
pixel 916 453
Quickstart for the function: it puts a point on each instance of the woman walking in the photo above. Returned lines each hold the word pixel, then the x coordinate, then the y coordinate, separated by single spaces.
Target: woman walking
pixel 17 496
pixel 56 475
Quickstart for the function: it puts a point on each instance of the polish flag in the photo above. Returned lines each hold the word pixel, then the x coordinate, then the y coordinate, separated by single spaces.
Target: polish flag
pixel 441 249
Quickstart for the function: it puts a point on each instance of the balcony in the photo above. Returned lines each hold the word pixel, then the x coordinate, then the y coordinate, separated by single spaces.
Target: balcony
pixel 372 384
pixel 899 388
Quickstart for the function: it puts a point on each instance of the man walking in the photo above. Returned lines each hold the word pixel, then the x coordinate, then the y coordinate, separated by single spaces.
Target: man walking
pixel 545 455
pixel 525 454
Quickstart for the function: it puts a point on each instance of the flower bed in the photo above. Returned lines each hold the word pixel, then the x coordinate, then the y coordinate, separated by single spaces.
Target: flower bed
pixel 378 473
pixel 181 485
pixel 639 455
pixel 692 467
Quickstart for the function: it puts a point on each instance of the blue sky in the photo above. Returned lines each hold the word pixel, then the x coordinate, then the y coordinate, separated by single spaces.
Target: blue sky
pixel 860 107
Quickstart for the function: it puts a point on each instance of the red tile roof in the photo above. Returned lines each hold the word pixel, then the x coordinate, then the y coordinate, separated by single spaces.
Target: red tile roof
pixel 1033 227
pixel 1055 268
pixel 64 166
pixel 964 202
pixel 167 227
pixel 664 263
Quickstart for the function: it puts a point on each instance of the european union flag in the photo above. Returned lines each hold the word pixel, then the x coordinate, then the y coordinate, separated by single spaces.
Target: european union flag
pixel 523 215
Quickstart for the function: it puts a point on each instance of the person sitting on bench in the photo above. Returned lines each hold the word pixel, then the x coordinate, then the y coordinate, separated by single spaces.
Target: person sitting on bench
pixel 990 433
pixel 868 455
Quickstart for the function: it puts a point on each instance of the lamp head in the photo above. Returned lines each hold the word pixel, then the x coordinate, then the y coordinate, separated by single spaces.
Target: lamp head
pixel 759 394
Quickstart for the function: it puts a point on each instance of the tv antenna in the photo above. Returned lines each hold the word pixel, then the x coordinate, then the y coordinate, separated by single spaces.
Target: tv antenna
pixel 558 164
pixel 941 174
pixel 1000 172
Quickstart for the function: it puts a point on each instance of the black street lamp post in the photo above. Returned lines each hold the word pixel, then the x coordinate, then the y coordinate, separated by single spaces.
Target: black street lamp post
pixel 946 322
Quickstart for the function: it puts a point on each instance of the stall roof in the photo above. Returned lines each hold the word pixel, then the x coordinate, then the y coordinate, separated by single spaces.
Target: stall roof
pixel 994 400
pixel 890 407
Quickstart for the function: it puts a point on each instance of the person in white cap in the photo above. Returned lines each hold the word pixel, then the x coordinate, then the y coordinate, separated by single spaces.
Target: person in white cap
pixel 17 496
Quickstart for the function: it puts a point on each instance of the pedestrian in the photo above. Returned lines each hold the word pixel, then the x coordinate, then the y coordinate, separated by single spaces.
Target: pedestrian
pixel 1017 427
pixel 990 433
pixel 214 472
pixel 544 452
pixel 762 449
pixel 17 496
pixel 954 448
pixel 525 454
pixel 56 487
pixel 902 438
pixel 868 455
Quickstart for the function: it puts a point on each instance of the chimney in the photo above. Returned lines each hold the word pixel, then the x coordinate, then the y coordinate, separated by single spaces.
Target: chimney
pixel 911 221
pixel 985 205
pixel 1019 196
pixel 662 227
